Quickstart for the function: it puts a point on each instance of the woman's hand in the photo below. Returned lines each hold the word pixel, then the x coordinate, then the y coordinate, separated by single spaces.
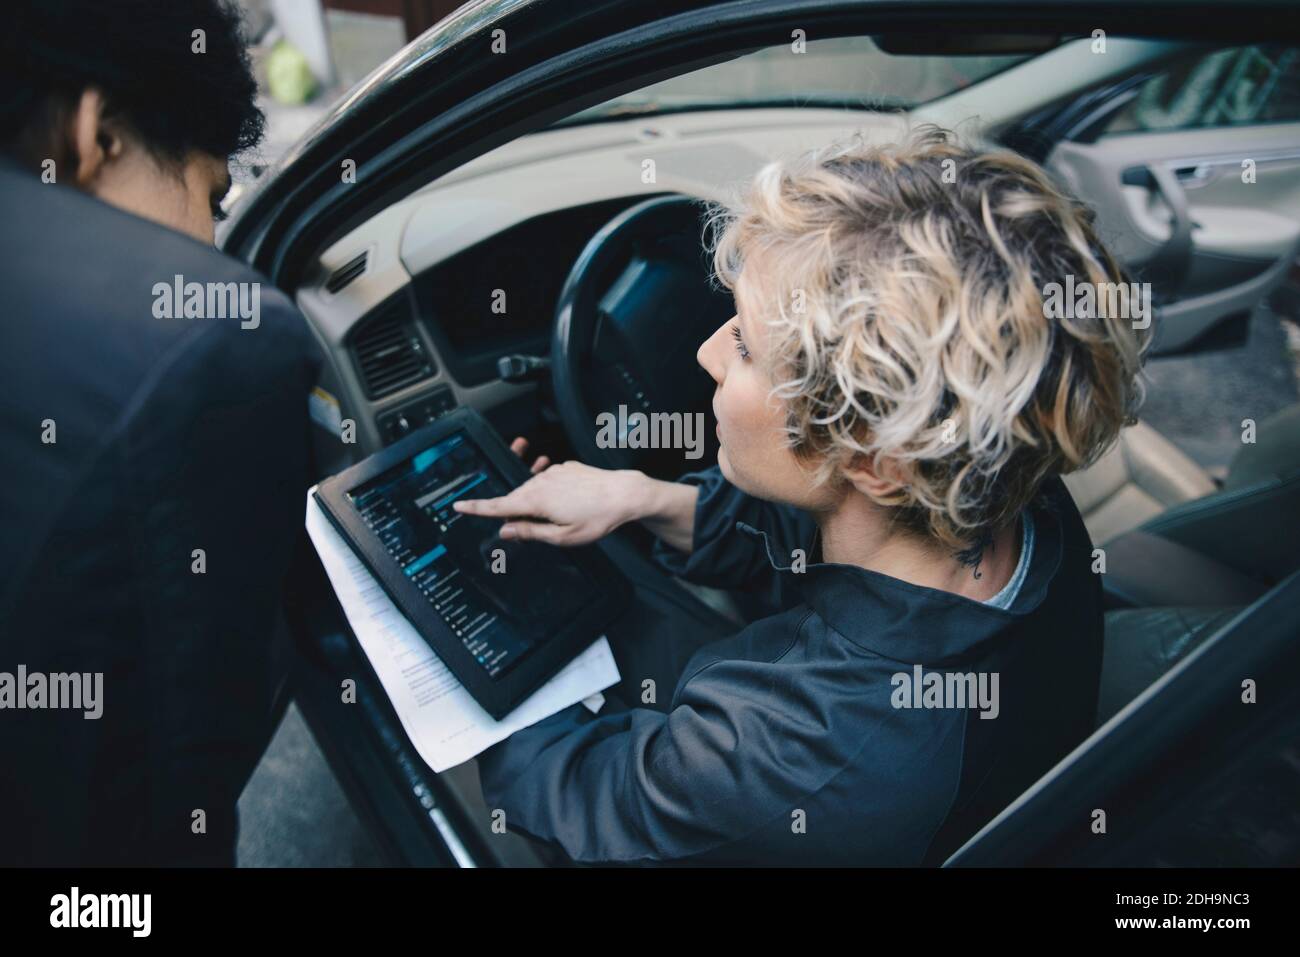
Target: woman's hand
pixel 566 504
pixel 520 447
pixel 575 504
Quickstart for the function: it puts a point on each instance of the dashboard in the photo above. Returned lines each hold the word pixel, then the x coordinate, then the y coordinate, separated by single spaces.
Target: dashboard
pixel 499 296
pixel 414 307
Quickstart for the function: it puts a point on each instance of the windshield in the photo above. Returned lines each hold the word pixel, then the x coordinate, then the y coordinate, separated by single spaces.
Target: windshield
pixel 846 72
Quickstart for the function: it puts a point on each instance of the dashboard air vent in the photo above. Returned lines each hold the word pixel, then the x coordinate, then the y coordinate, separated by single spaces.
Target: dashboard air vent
pixel 349 271
pixel 389 353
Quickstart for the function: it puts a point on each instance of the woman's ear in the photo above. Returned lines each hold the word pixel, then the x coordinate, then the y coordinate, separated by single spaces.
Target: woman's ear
pixel 874 483
pixel 94 144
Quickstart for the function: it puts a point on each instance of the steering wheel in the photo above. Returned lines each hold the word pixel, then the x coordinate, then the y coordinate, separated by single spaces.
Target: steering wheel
pixel 634 310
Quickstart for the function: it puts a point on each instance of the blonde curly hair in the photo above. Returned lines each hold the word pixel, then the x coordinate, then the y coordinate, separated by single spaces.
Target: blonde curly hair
pixel 905 291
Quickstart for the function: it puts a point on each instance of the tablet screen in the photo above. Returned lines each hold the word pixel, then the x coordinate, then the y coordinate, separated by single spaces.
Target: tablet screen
pixel 501 598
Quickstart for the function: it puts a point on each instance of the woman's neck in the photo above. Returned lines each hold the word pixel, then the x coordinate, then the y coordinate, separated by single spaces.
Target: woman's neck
pixel 857 532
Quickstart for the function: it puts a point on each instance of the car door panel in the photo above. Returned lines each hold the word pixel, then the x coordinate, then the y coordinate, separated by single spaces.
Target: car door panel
pixel 1234 192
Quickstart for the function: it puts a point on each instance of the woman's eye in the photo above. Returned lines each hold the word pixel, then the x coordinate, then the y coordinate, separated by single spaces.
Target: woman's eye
pixel 740 342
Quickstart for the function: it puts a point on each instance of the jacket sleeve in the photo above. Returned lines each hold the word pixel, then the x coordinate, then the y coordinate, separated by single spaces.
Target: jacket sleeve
pixel 726 557
pixel 642 787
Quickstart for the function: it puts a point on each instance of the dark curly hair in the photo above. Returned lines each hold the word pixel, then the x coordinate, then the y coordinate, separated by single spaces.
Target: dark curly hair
pixel 139 53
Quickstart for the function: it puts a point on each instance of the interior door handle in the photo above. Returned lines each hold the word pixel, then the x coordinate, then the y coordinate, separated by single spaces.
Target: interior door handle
pixel 1194 177
pixel 1168 267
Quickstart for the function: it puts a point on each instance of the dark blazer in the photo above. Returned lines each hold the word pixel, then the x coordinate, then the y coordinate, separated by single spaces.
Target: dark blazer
pixel 171 435
pixel 789 742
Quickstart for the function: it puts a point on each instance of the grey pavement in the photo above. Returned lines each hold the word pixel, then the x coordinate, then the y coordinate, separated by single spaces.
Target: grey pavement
pixel 293 813
pixel 1199 401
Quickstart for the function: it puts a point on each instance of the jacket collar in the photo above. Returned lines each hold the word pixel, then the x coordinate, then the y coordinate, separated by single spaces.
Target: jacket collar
pixel 915 623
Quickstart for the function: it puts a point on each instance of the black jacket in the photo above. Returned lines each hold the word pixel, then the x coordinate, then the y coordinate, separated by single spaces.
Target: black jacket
pixel 787 743
pixel 170 435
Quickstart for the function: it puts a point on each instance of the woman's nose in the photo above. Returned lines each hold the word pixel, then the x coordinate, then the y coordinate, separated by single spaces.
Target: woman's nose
pixel 708 356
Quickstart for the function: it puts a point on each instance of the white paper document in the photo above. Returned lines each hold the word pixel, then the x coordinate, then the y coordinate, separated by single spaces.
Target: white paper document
pixel 442 719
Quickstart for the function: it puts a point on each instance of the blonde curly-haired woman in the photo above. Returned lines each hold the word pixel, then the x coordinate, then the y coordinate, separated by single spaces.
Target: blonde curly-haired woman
pixel 895 408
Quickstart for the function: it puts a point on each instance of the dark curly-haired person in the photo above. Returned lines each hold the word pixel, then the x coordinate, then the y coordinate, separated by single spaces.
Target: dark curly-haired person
pixel 154 459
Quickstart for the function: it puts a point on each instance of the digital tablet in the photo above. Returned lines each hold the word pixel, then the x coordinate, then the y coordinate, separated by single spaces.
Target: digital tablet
pixel 504 616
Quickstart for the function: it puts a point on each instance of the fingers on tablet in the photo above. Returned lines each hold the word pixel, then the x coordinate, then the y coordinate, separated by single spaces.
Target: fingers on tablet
pixel 501 507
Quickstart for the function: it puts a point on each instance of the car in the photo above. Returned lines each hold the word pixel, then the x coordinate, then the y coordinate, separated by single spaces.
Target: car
pixel 570 151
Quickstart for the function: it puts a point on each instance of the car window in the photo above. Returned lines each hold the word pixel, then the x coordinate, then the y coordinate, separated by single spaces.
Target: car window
pixel 845 72
pixel 1228 87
